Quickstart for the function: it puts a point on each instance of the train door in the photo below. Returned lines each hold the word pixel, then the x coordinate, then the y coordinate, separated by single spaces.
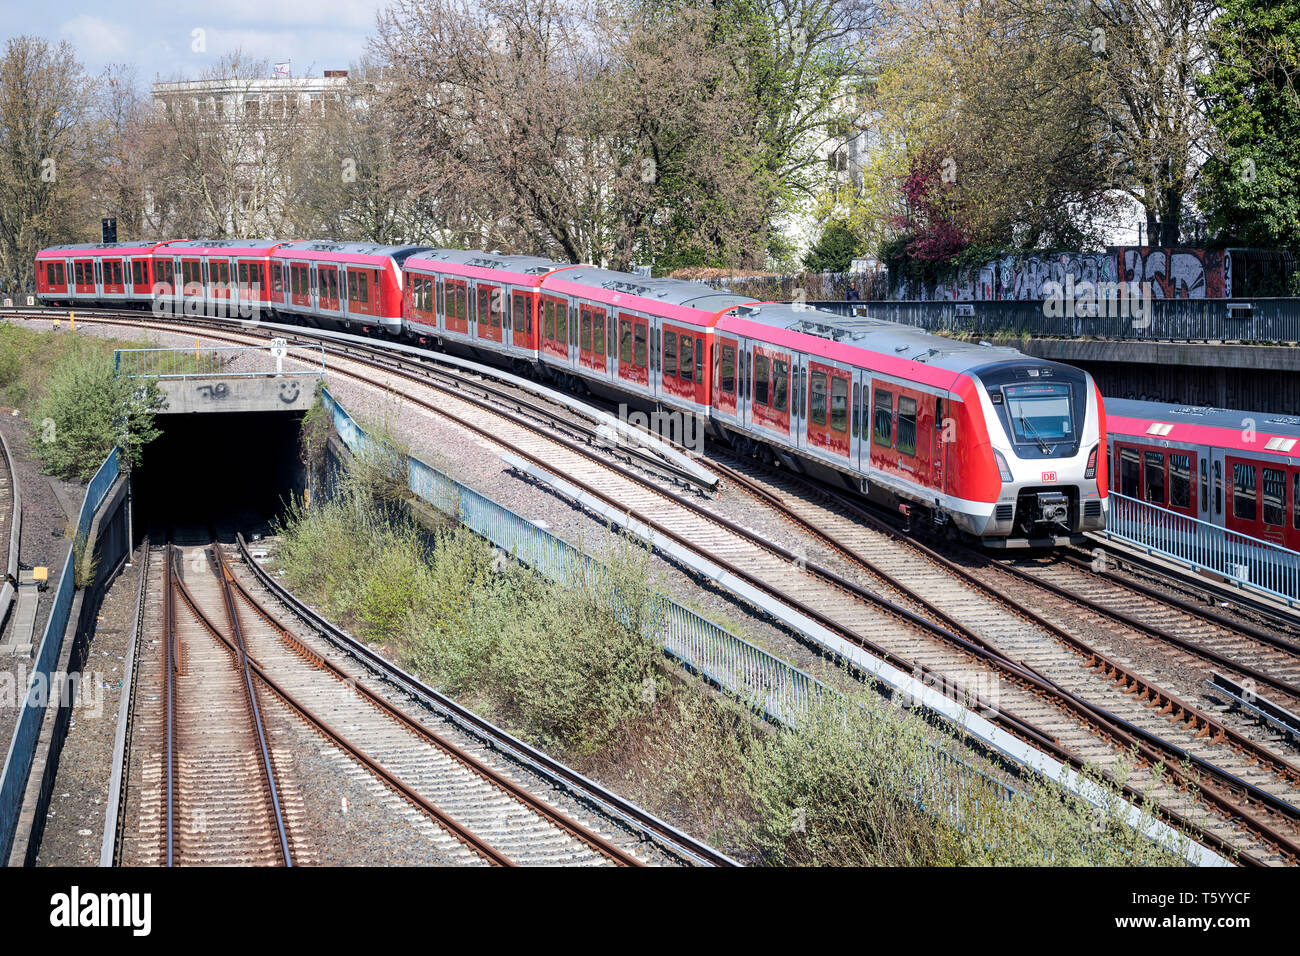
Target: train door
pixel 521 319
pixel 799 400
pixel 724 375
pixel 860 384
pixel 944 435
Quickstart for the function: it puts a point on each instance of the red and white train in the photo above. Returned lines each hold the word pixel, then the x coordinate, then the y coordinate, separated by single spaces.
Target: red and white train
pixel 1238 470
pixel 1006 448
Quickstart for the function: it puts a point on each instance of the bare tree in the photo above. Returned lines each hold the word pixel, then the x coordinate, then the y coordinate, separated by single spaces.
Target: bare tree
pixel 49 136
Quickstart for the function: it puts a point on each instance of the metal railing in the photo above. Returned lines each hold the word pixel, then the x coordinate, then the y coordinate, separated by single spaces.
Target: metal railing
pixel 1240 559
pixel 220 362
pixel 1260 320
pixel 43 683
pixel 780 691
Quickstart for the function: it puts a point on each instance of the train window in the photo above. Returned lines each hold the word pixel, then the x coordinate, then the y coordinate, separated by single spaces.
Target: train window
pixel 624 342
pixel 76 273
pixel 561 322
pixel 1274 497
pixel 670 354
pixel 1243 492
pixel 1205 486
pixel 1130 472
pixel 1180 480
pixel 584 328
pixel 840 407
pixel 242 272
pixel 519 303
pixel 938 415
pixel 363 293
pixel 1154 486
pixel 598 331
pixel 58 273
pixel 906 425
pixel 1295 500
pixel 548 318
pixel 642 357
pixel 762 374
pixel 699 360
pixel 780 384
pixel 688 359
pixel 1218 488
pixel 277 281
pixel 817 398
pixel 882 431
pixel 484 306
pixel 727 379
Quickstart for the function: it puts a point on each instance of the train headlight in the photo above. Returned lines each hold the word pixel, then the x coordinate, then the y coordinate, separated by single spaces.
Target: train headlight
pixel 1090 471
pixel 1003 471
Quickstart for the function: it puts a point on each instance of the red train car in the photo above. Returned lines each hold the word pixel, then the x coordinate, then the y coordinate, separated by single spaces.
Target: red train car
pixel 119 273
pixel 477 301
pixel 341 283
pixel 1238 470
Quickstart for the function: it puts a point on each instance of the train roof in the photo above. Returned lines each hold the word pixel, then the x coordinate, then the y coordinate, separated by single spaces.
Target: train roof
pixel 222 243
pixel 103 246
pixel 880 336
pixel 351 248
pixel 679 292
pixel 477 258
pixel 1286 426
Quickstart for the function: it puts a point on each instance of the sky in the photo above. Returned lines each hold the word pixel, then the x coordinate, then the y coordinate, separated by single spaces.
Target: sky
pixel 158 38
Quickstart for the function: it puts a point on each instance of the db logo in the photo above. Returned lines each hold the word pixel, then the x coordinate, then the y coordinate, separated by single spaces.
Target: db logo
pixel 1049 476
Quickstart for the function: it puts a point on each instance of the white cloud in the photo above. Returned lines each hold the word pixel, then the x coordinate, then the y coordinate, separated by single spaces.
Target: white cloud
pixel 97 40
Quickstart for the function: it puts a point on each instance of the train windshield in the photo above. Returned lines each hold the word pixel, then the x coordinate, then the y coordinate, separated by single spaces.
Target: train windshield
pixel 1041 413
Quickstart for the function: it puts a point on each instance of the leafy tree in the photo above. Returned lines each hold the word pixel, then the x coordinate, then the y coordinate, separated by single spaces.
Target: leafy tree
pixel 833 251
pixel 88 409
pixel 1251 185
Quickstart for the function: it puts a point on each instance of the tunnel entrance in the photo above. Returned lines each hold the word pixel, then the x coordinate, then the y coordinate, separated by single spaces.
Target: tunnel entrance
pixel 217 473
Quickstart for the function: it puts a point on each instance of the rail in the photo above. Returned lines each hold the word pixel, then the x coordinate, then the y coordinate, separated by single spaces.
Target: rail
pixel 779 691
pixel 1239 559
pixel 212 362
pixel 44 684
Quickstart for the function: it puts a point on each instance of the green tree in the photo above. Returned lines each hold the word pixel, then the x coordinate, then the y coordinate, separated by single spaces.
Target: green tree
pixel 1250 187
pixel 87 410
pixel 833 251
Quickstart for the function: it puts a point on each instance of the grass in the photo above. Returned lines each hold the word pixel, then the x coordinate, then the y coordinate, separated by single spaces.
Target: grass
pixel 566 665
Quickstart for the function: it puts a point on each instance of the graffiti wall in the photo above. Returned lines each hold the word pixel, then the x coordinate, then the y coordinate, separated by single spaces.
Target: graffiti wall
pixel 1174 273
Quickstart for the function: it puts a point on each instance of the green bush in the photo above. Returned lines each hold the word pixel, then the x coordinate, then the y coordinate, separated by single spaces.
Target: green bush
pixel 86 410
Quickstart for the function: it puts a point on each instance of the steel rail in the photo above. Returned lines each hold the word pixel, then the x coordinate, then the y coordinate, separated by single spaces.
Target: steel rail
pixel 482 770
pixel 547 766
pixel 460 832
pixel 259 728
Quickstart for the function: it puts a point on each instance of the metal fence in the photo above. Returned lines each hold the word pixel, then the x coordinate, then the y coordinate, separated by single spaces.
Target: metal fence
pixel 224 362
pixel 22 746
pixel 1243 560
pixel 780 691
pixel 1168 320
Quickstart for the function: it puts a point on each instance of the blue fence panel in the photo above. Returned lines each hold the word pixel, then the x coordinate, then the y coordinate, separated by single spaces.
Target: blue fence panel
pixel 22 746
pixel 1247 561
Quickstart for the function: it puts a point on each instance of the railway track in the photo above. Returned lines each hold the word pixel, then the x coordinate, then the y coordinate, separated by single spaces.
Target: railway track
pixel 1053 689
pixel 208 788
